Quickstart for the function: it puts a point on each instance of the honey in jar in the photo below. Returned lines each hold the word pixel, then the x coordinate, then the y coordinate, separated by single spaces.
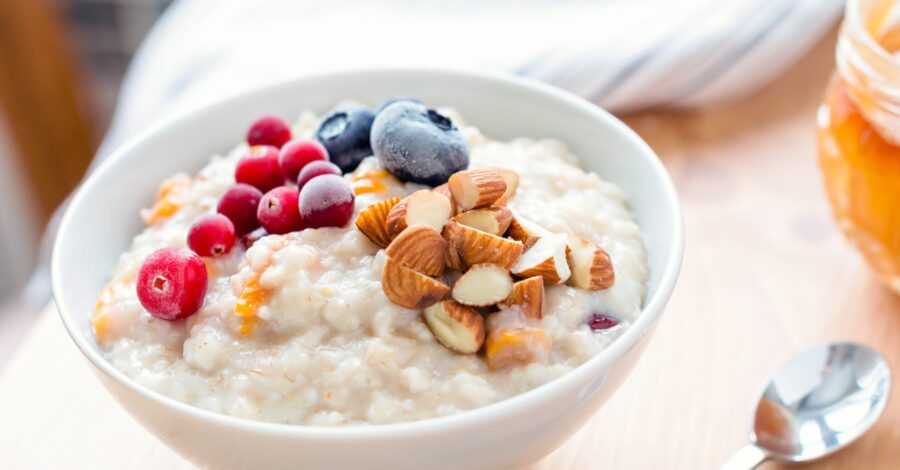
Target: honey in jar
pixel 859 134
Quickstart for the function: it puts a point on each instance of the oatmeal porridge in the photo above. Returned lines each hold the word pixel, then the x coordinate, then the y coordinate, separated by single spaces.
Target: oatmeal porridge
pixel 378 289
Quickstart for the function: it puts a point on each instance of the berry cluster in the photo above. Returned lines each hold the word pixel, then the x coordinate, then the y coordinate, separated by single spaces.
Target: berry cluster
pixel 282 186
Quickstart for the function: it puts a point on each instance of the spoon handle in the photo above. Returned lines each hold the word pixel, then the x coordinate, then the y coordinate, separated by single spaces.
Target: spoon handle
pixel 749 457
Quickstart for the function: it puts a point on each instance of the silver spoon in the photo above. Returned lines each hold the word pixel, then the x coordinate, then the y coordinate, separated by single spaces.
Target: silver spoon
pixel 818 402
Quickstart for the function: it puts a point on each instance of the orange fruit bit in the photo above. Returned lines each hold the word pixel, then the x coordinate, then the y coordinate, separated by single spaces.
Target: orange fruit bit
pixel 370 181
pixel 166 199
pixel 100 318
pixel 247 305
pixel 507 347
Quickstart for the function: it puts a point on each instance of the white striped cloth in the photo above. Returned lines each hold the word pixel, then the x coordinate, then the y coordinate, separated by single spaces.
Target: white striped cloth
pixel 621 54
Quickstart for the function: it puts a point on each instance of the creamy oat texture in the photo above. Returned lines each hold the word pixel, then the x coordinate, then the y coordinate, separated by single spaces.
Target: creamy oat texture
pixel 328 348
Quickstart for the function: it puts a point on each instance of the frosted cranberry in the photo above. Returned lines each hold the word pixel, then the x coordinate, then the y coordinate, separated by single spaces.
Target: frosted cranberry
pixel 260 168
pixel 171 284
pixel 211 235
pixel 326 201
pixel 314 169
pixel 239 204
pixel 269 130
pixel 601 321
pixel 279 211
pixel 296 154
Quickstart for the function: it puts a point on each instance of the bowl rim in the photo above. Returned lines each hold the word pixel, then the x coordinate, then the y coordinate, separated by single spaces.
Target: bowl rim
pixel 653 306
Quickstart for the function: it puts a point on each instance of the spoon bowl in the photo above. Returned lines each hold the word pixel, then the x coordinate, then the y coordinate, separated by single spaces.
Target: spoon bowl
pixel 816 403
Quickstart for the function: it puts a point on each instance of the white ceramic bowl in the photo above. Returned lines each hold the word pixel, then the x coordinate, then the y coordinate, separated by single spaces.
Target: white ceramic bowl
pixel 103 217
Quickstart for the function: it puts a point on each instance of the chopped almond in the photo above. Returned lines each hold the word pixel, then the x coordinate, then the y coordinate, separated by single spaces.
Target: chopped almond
pixel 493 220
pixel 513 340
pixel 512 183
pixel 546 258
pixel 483 285
pixel 522 229
pixel 444 189
pixel 452 232
pixel 528 295
pixel 456 326
pixel 420 248
pixel 372 221
pixel 590 265
pixel 477 247
pixel 419 208
pixel 473 189
pixel 408 288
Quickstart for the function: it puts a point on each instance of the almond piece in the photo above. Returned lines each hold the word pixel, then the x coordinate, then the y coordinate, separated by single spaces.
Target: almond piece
pixel 372 221
pixel 493 220
pixel 477 247
pixel 482 285
pixel 444 189
pixel 473 189
pixel 457 327
pixel 522 229
pixel 419 208
pixel 452 232
pixel 512 183
pixel 408 288
pixel 420 248
pixel 513 340
pixel 590 265
pixel 528 295
pixel 546 258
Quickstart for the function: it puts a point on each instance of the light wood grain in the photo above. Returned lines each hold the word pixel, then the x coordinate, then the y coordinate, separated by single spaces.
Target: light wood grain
pixel 766 274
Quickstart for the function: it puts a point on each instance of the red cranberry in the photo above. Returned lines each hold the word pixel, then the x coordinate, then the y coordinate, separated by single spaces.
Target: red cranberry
pixel 211 235
pixel 171 284
pixel 601 321
pixel 239 204
pixel 297 153
pixel 279 211
pixel 326 201
pixel 260 168
pixel 269 130
pixel 314 169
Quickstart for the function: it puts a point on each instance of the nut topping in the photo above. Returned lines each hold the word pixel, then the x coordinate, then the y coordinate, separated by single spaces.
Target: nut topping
pixel 513 340
pixel 419 208
pixel 456 326
pixel 546 258
pixel 590 264
pixel 477 247
pixel 372 221
pixel 483 285
pixel 408 288
pixel 493 220
pixel 419 248
pixel 528 295
pixel 473 189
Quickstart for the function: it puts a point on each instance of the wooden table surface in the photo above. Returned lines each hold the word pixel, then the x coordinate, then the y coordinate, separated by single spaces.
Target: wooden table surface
pixel 766 274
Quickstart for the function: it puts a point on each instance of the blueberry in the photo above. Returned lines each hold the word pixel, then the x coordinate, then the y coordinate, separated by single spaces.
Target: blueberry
pixel 345 134
pixel 398 99
pixel 418 144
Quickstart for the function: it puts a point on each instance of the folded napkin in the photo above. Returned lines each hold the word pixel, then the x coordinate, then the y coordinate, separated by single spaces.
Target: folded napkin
pixel 622 54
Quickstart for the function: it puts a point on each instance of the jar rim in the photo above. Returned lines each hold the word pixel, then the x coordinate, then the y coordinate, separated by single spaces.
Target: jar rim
pixel 870 70
pixel 854 20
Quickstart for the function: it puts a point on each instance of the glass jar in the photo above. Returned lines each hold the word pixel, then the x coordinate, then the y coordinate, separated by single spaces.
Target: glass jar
pixel 859 134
